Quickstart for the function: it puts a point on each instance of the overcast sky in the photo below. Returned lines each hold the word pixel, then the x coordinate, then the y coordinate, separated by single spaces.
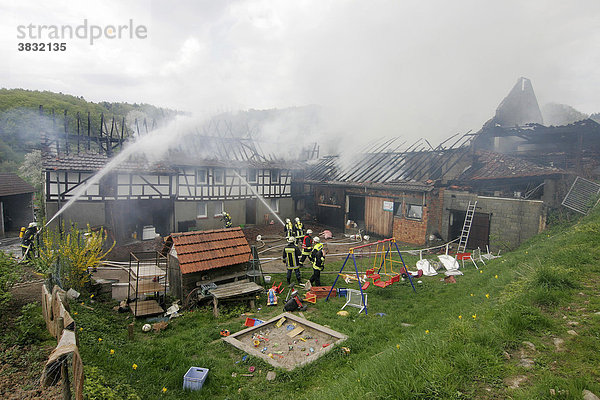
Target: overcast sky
pixel 410 68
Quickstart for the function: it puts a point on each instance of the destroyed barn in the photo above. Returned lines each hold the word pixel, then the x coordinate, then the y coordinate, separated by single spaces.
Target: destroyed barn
pixel 514 167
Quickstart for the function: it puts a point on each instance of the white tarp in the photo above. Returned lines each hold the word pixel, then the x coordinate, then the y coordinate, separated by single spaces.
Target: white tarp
pixel 426 267
pixel 450 264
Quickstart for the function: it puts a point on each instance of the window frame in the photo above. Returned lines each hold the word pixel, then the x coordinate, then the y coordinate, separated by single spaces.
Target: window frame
pixel 248 174
pixel 198 215
pixel 408 207
pixel 201 181
pixel 276 208
pixel 222 174
pixel 218 214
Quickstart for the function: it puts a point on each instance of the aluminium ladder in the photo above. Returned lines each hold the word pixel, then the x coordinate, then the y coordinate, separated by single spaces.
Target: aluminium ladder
pixel 464 235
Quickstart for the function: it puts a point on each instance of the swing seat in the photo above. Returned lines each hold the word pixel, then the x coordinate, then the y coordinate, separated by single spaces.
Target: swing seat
pixel 380 284
pixel 395 278
pixel 370 272
pixel 375 277
pixel 365 285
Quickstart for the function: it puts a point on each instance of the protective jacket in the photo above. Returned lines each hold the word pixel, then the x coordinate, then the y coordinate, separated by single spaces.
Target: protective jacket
pixel 227 220
pixel 317 257
pixel 291 253
pixel 307 244
pixel 289 229
pixel 298 229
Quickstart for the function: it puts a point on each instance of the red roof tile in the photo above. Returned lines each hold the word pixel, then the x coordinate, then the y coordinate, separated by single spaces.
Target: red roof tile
pixel 11 184
pixel 204 250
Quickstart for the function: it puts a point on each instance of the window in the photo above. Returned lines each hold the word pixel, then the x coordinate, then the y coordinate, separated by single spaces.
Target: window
pixel 274 176
pixel 201 210
pixel 398 208
pixel 218 208
pixel 274 205
pixel 201 174
pixel 252 175
pixel 218 176
pixel 414 211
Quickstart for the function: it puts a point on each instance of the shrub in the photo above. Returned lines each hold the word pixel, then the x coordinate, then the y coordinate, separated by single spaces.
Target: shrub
pixel 9 274
pixel 30 325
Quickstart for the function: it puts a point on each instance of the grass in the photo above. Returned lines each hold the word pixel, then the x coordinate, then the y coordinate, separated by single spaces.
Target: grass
pixel 463 340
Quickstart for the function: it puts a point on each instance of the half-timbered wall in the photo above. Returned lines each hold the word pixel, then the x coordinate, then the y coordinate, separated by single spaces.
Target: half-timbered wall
pixel 196 184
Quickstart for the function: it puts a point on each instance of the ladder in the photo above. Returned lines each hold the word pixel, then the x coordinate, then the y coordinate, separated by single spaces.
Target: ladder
pixel 464 235
pixel 254 269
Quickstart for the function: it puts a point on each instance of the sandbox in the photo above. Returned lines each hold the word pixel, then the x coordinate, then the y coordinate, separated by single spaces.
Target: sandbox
pixel 290 344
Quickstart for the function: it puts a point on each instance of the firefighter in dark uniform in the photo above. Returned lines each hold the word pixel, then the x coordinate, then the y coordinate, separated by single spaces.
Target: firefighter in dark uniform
pixel 28 240
pixel 226 219
pixel 298 230
pixel 318 262
pixel 288 228
pixel 307 246
pixel 291 253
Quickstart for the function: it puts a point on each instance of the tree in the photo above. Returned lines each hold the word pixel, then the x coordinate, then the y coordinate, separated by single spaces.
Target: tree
pixel 31 169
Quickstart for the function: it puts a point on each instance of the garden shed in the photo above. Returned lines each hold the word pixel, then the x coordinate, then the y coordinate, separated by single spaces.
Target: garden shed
pixel 204 257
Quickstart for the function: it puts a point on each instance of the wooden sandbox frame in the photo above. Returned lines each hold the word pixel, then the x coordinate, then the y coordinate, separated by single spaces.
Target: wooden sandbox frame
pixel 336 338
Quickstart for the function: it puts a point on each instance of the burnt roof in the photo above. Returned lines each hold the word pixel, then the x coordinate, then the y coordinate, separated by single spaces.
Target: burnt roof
pixel 95 162
pixel 12 184
pixel 407 170
pixel 205 250
pixel 491 165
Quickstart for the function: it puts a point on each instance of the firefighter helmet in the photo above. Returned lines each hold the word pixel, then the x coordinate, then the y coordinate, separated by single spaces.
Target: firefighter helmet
pixel 317 239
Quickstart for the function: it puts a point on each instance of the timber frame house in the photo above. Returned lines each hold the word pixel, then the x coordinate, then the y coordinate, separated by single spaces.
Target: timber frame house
pixel 187 190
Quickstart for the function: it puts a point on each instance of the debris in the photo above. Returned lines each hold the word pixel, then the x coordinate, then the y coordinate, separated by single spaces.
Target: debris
pixel 587 395
pixel 530 345
pixel 343 313
pixel 572 332
pixel 251 369
pixel 224 332
pixel 172 312
pixel 271 375
pixel 345 350
pixel 381 314
pixel 146 328
pixel 450 279
pixel 325 345
pixel 249 375
pixel 233 374
pixel 72 294
pixel 159 326
pixel 404 324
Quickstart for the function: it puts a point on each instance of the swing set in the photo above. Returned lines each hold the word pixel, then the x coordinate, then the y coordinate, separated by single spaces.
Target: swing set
pixel 382 260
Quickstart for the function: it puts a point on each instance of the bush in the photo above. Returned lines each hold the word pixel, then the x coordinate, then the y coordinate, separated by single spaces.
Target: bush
pixel 9 274
pixel 30 325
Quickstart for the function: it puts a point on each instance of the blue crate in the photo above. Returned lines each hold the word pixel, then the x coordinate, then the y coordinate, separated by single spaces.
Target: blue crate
pixel 194 378
pixel 342 292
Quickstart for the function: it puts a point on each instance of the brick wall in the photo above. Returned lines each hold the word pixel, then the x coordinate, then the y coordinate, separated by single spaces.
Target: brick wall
pixel 411 231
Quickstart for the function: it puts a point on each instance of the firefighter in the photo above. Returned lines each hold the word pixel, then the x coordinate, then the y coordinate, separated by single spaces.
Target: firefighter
pixel 28 240
pixel 226 218
pixel 298 229
pixel 307 245
pixel 318 261
pixel 291 252
pixel 288 228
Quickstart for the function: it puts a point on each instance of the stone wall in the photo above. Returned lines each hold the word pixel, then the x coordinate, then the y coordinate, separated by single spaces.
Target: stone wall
pixel 512 221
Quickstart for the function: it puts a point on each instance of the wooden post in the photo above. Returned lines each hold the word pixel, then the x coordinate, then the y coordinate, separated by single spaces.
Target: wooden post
pixel 60 327
pixel 130 331
pixel 66 385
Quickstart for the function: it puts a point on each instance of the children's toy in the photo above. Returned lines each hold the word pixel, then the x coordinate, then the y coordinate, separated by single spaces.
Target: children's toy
pixel 385 259
pixel 225 332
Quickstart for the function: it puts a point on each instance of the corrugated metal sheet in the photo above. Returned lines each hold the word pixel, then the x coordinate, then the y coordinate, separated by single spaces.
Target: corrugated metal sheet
pixel 205 250
pixel 377 220
pixel 581 195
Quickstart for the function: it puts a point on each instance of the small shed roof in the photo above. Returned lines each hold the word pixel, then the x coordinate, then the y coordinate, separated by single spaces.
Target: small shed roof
pixel 490 165
pixel 11 184
pixel 205 250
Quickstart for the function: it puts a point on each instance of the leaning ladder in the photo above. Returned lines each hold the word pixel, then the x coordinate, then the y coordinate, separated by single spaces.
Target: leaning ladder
pixel 464 235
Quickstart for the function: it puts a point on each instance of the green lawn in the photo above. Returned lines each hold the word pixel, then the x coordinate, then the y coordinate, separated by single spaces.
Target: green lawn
pixel 465 340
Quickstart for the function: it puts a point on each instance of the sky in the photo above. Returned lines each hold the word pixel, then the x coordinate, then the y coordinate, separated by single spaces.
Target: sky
pixel 379 68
